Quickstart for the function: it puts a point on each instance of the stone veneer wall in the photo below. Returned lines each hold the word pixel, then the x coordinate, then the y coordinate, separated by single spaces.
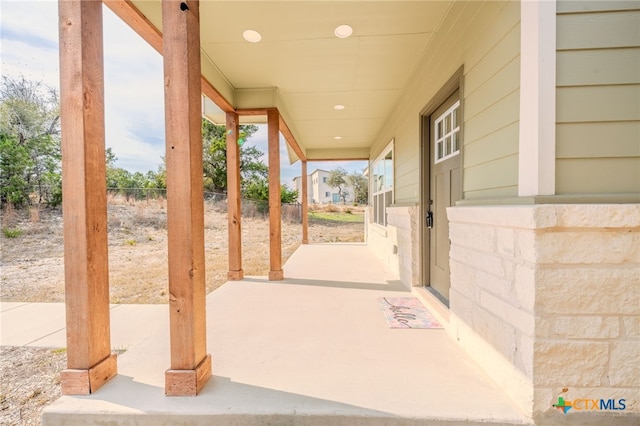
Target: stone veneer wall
pixel 397 244
pixel 547 299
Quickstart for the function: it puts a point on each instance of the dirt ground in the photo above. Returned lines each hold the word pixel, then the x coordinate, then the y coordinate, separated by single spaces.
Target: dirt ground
pixel 32 270
pixel 30 381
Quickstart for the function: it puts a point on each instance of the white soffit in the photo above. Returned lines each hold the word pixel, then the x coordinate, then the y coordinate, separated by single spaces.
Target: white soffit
pixel 310 69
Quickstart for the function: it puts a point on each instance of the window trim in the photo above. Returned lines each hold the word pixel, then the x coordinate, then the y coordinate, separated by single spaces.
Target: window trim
pixel 386 191
pixel 443 138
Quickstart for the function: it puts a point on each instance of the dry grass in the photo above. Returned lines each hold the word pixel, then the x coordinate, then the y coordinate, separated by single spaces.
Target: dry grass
pixel 32 263
pixel 337 208
pixel 30 381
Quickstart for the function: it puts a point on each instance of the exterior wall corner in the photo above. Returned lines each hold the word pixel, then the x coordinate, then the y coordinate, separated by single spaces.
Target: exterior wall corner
pixel 548 291
pixel 397 244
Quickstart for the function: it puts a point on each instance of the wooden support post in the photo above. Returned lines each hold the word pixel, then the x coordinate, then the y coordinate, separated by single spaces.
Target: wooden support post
pixel 89 360
pixel 275 204
pixel 190 364
pixel 305 205
pixel 234 207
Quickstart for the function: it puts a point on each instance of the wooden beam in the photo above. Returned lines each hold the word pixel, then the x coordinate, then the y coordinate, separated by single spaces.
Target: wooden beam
pixel 275 204
pixel 84 199
pixel 136 21
pixel 217 98
pixel 185 199
pixel 234 207
pixel 291 140
pixel 152 35
pixel 305 205
pixel 339 159
pixel 284 128
pixel 254 111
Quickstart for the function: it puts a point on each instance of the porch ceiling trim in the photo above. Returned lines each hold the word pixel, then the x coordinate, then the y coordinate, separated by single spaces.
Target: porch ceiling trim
pixel 338 154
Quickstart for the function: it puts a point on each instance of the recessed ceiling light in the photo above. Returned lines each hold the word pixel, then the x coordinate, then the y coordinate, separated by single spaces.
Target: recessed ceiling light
pixel 338 138
pixel 252 36
pixel 339 107
pixel 343 31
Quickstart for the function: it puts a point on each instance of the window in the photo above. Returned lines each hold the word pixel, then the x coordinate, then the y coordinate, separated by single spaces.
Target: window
pixel 327 194
pixel 447 134
pixel 324 179
pixel 382 190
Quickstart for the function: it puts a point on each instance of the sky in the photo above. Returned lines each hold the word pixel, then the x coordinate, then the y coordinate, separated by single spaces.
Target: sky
pixel 133 78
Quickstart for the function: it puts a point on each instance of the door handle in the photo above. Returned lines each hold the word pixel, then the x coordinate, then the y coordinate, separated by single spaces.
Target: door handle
pixel 429 219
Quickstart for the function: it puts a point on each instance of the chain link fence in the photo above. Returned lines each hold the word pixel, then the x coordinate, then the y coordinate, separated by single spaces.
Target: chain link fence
pixel 250 208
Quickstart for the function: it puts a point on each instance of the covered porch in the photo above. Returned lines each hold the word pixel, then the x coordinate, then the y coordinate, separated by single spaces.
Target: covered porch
pixel 312 349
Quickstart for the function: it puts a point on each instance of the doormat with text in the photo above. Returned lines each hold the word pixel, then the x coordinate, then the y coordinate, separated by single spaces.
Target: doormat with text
pixel 406 312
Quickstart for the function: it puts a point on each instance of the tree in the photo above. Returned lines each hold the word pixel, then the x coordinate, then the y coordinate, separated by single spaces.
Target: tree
pixel 30 131
pixel 14 163
pixel 288 196
pixel 28 109
pixel 338 179
pixel 137 185
pixel 257 190
pixel 254 183
pixel 214 147
pixel 360 187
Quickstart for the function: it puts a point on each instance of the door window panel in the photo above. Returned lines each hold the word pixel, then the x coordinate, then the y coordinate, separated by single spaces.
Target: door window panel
pixel 447 138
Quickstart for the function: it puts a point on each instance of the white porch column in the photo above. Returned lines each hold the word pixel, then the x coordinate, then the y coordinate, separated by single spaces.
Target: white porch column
pixel 537 169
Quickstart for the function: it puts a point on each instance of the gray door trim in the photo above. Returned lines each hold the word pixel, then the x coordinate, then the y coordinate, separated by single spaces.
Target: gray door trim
pixel 456 82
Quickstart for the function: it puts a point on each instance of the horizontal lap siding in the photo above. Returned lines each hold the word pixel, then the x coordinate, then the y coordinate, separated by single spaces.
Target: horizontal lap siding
pixel 404 125
pixel 564 6
pixel 485 38
pixel 598 97
pixel 605 175
pixel 491 107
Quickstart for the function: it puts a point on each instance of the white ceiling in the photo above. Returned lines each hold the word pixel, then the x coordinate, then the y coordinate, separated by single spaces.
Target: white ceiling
pixel 309 68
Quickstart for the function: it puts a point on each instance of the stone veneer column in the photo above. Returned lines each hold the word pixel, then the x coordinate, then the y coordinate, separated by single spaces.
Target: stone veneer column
pixel 403 243
pixel 546 299
pixel 588 309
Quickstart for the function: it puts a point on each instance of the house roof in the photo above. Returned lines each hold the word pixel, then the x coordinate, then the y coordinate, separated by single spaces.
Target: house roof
pixel 304 70
pixel 319 170
pixel 313 173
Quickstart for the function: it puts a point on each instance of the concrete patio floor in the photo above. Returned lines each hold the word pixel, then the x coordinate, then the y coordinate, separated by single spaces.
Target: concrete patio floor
pixel 313 349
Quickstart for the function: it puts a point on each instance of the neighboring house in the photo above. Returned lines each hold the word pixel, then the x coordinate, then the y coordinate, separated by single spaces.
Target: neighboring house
pixel 504 147
pixel 319 191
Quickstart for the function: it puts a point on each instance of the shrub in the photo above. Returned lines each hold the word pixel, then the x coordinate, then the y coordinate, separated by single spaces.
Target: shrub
pixel 12 232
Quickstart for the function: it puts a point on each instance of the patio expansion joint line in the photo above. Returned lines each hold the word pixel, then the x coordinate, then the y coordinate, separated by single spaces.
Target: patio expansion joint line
pixel 42 337
pixel 15 307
